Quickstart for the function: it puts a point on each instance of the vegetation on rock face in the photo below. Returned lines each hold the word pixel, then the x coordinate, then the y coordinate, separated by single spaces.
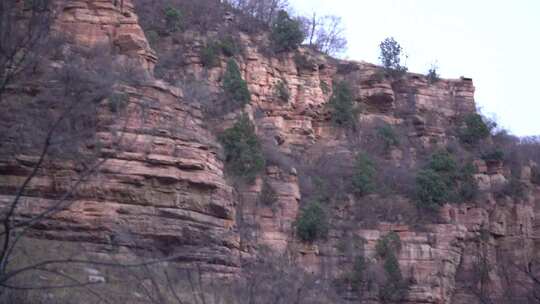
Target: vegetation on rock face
pixel 268 196
pixel 443 181
pixel 243 154
pixel 312 224
pixel 394 288
pixel 282 91
pixel 535 175
pixel 432 75
pixel 302 62
pixel 390 57
pixel 390 243
pixel 325 34
pixel 209 55
pixel 173 19
pixel 235 87
pixel 494 155
pixel 286 33
pixel 475 129
pixel 431 190
pixel 342 105
pixel 363 176
pixel 388 136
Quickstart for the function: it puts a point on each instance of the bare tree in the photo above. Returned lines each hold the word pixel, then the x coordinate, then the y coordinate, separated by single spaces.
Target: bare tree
pixel 24 29
pixel 263 10
pixel 325 34
pixel 55 98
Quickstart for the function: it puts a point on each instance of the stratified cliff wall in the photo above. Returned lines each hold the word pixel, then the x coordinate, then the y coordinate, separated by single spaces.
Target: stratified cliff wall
pixel 166 189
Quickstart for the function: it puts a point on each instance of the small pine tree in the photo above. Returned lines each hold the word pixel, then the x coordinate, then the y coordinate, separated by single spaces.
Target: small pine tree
pixel 235 87
pixel 243 153
pixel 286 33
pixel 342 105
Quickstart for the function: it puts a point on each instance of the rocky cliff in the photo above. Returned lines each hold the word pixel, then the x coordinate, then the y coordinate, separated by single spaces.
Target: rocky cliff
pixel 165 190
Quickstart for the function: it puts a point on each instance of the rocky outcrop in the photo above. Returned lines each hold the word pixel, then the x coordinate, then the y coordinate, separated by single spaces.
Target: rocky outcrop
pixel 105 23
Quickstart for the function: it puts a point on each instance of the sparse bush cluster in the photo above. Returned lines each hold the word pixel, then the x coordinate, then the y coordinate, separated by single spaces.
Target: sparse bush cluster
pixel 243 154
pixel 312 224
pixel 342 105
pixel 302 62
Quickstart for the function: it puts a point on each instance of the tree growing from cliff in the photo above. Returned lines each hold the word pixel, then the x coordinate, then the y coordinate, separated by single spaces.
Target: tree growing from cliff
pixel 173 19
pixel 394 288
pixel 286 34
pixel 363 179
pixel 341 105
pixel 475 129
pixel 235 87
pixel 312 224
pixel 24 29
pixel 243 153
pixel 390 57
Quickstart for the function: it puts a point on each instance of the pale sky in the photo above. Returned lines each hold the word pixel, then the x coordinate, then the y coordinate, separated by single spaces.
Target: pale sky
pixel 495 42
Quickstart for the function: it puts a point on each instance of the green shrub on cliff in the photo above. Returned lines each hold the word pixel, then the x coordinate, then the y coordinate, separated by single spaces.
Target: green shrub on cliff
pixel 243 153
pixel 312 224
pixel 431 190
pixel 235 87
pixel 394 288
pixel 387 135
pixel 474 130
pixel 286 33
pixel 390 57
pixel 282 91
pixel 363 175
pixel 342 105
pixel 444 181
pixel 209 55
pixel 173 19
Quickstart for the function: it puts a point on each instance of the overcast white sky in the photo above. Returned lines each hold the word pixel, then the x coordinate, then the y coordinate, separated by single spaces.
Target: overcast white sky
pixel 496 42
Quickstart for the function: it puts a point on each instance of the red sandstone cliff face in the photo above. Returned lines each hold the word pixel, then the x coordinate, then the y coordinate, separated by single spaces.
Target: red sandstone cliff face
pixel 166 188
